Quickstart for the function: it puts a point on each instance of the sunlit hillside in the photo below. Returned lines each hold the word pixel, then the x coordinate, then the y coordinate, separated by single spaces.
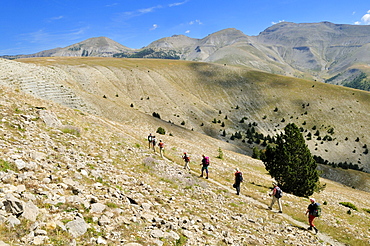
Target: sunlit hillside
pixel 212 99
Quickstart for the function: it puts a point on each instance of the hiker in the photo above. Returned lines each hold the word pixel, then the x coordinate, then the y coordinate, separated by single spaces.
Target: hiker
pixel 238 180
pixel 276 195
pixel 150 139
pixel 187 160
pixel 205 164
pixel 161 147
pixel 154 142
pixel 313 212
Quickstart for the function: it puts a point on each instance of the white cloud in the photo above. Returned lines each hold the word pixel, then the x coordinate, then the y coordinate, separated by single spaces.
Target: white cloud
pixel 149 10
pixel 57 17
pixel 139 12
pixel 187 31
pixel 111 5
pixel 177 4
pixel 366 18
pixel 357 23
pixel 155 26
pixel 273 22
pixel 195 22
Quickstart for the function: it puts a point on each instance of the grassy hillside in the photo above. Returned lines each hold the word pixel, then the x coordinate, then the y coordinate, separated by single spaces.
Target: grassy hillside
pixel 195 95
pixel 101 175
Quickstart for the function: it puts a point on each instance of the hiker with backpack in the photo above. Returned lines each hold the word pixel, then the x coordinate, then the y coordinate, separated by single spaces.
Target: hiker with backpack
pixel 276 194
pixel 313 211
pixel 238 180
pixel 161 147
pixel 150 140
pixel 154 142
pixel 186 158
pixel 205 164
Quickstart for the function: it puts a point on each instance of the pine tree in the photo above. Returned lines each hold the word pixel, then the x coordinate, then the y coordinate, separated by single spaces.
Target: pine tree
pixel 291 164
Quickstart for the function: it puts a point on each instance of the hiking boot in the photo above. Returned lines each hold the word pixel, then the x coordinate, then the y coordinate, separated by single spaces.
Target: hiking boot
pixel 280 211
pixel 316 230
pixel 309 228
pixel 206 177
pixel 201 176
pixel 270 208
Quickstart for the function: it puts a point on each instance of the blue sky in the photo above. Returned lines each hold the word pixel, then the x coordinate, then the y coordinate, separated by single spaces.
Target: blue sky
pixel 30 26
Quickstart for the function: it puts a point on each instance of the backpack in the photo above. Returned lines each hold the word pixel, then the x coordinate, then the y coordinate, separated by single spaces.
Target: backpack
pixel 161 144
pixel 278 192
pixel 206 161
pixel 239 176
pixel 317 210
pixel 186 158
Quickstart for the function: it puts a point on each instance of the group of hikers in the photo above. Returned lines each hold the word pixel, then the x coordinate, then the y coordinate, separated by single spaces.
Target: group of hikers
pixel 313 210
pixel 205 164
pixel 153 142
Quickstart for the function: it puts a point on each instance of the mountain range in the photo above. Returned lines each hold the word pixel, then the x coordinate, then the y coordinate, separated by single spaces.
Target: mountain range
pixel 333 53
pixel 75 167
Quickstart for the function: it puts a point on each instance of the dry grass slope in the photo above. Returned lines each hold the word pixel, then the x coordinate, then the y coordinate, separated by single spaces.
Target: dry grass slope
pixel 195 94
pixel 110 161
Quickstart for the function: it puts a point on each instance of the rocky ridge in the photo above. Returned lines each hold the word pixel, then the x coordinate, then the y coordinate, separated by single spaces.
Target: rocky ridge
pixel 70 178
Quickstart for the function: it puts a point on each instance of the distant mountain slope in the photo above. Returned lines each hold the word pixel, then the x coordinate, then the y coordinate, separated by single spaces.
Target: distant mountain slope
pixel 100 47
pixel 319 47
pixel 322 51
pixel 216 100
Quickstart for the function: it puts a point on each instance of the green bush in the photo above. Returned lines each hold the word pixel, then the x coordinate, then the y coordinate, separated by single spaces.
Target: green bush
pixel 220 154
pixel 74 130
pixel 161 131
pixel 349 205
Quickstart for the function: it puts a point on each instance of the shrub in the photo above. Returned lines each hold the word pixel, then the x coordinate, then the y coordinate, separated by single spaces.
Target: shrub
pixel 74 130
pixel 161 131
pixel 349 205
pixel 220 154
pixel 156 115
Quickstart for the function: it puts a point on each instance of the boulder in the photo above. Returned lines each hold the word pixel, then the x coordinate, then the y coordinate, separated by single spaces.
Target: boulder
pixel 104 220
pixel 13 205
pixel 156 233
pixel 30 211
pixel 97 208
pixel 77 227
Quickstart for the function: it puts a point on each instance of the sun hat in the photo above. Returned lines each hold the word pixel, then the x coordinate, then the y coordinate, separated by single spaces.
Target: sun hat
pixel 312 199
